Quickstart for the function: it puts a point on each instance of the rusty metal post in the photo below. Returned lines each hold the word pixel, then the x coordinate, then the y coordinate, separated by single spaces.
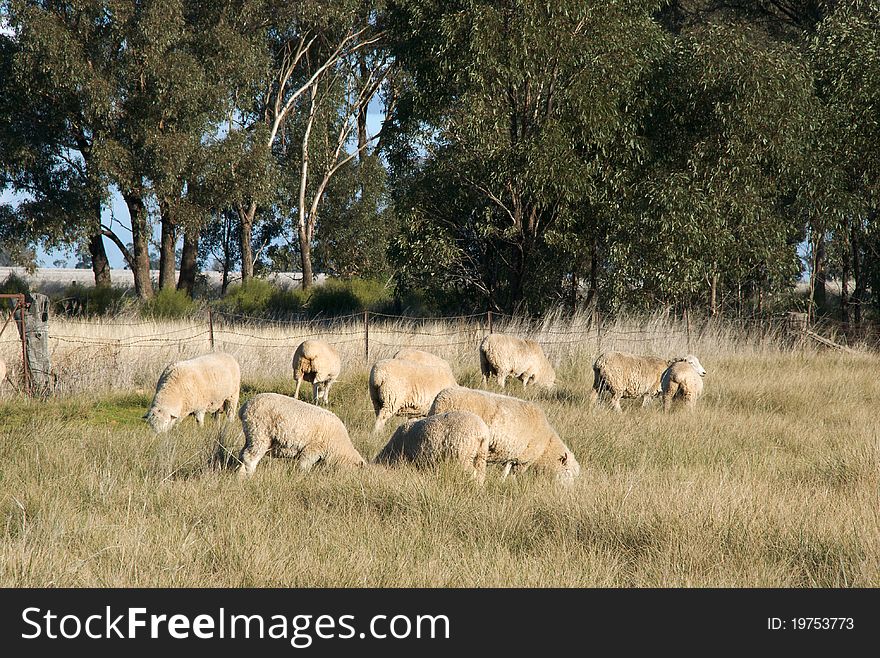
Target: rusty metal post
pixel 366 337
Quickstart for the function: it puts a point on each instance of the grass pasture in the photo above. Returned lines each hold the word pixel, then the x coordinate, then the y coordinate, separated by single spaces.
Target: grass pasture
pixel 774 480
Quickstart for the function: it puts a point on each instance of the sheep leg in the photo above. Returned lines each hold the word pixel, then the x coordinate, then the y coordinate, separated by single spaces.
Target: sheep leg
pixel 298 384
pixel 669 394
pixel 501 380
pixel 594 397
pixel 327 393
pixel 307 459
pixel 231 407
pixel 315 389
pixel 646 400
pixel 506 471
pixel 200 417
pixel 615 402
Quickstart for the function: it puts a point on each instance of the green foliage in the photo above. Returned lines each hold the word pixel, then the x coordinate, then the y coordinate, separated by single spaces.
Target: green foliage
pixel 169 303
pixel 340 297
pixel 334 297
pixel 14 285
pixel 90 300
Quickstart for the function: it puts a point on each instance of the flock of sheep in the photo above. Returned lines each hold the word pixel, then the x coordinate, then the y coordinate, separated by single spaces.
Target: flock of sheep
pixel 449 423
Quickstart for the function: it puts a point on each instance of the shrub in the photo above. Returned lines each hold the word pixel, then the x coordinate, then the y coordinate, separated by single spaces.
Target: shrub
pixel 169 303
pixel 336 297
pixel 78 299
pixel 14 285
pixel 250 298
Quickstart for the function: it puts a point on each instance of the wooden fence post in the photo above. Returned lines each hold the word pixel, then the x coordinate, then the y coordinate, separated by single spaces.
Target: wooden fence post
pixel 489 320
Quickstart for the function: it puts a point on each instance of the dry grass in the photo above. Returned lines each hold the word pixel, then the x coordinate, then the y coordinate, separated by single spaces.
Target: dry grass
pixel 772 481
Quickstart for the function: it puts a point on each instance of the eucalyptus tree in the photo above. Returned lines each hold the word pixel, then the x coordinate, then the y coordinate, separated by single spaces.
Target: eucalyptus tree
pixel 516 105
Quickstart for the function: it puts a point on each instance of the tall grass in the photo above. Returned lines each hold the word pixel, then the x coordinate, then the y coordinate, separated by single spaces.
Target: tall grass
pixel 772 481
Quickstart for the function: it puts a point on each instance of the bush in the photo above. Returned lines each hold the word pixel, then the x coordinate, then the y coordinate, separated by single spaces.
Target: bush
pixel 336 297
pixel 78 299
pixel 14 285
pixel 251 298
pixel 169 303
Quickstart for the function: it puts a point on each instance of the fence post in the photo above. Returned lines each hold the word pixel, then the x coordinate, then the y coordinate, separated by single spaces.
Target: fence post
pixel 366 337
pixel 211 327
pixel 25 373
pixel 598 331
pixel 489 320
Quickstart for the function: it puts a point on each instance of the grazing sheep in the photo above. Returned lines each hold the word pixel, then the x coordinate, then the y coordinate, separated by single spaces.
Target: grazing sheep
pixel 503 356
pixel 205 384
pixel 683 380
pixel 625 375
pixel 318 363
pixel 400 387
pixel 557 460
pixel 420 356
pixel 291 428
pixel 520 433
pixel 456 436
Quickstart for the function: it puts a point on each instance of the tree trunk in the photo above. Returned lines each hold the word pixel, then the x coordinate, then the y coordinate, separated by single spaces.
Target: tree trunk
pixel 305 256
pixel 860 284
pixel 844 279
pixel 140 264
pixel 167 257
pixel 189 261
pixel 713 292
pixel 820 295
pixel 594 274
pixel 100 262
pixel 246 215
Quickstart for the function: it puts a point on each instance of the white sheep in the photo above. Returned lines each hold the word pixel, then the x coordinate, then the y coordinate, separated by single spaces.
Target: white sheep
pixel 558 461
pixel 204 384
pixel 504 356
pixel 420 356
pixel 683 380
pixel 291 428
pixel 400 387
pixel 625 375
pixel 456 436
pixel 318 363
pixel 520 431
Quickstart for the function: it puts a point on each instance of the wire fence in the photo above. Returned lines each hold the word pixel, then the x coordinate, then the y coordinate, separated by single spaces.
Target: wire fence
pixel 81 344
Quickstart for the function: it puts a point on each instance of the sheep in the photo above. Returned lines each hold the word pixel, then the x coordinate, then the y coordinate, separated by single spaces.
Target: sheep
pixel 520 432
pixel 208 383
pixel 400 387
pixel 683 379
pixel 317 362
pixel 557 460
pixel 626 375
pixel 291 428
pixel 502 356
pixel 420 356
pixel 457 436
